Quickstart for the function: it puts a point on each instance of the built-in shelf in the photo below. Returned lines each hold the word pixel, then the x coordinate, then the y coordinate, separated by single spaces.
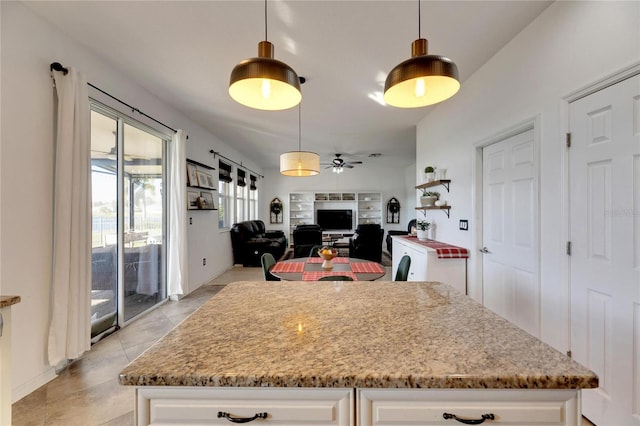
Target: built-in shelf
pixel 443 182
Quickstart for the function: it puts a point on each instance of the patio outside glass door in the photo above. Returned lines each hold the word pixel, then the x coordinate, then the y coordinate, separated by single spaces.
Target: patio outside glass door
pixel 128 211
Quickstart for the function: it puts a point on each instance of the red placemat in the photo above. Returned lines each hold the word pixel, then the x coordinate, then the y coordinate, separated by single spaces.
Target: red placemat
pixel 335 260
pixel 316 275
pixel 443 250
pixel 297 266
pixel 367 267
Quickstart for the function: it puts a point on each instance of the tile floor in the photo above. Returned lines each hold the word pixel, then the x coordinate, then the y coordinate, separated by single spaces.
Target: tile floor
pixel 87 393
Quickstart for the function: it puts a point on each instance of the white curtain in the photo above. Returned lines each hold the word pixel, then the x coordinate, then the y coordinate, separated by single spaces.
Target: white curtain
pixel 70 328
pixel 177 272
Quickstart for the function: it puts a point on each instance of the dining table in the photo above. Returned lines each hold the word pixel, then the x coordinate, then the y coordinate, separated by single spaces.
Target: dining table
pixel 310 269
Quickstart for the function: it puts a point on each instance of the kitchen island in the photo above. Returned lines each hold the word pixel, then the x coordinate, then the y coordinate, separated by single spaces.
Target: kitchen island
pixel 349 353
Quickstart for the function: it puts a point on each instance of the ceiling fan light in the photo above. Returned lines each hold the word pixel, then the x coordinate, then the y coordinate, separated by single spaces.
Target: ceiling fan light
pixel 299 163
pixel 264 82
pixel 421 80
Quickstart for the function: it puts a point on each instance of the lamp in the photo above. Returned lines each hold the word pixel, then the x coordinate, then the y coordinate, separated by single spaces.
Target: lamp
pixel 264 82
pixel 299 163
pixel 422 80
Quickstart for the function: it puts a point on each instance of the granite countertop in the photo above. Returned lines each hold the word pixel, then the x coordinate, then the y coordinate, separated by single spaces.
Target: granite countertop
pixel 351 334
pixel 6 301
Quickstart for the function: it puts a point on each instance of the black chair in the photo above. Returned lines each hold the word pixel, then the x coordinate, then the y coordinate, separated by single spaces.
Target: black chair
pixel 412 223
pixel 314 251
pixel 335 278
pixel 268 261
pixel 366 243
pixel 403 268
pixel 304 238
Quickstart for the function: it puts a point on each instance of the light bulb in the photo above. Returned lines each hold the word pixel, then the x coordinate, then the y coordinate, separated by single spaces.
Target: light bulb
pixel 420 87
pixel 266 88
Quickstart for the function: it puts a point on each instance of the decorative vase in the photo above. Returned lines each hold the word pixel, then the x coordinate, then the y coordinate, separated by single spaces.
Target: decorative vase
pixel 422 234
pixel 427 201
pixel 431 232
pixel 430 177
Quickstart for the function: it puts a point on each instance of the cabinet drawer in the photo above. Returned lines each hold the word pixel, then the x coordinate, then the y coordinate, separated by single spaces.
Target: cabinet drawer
pixel 509 407
pixel 284 406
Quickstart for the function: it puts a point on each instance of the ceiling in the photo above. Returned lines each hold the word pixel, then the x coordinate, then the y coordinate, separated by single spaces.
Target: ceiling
pixel 184 51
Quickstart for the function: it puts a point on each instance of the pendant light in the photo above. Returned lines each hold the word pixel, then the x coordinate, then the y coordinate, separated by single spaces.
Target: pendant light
pixel 299 163
pixel 264 82
pixel 422 80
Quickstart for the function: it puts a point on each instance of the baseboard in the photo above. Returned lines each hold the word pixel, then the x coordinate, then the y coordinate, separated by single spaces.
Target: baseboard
pixel 25 389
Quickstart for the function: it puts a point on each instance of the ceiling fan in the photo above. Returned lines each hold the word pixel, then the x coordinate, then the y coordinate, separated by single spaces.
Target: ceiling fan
pixel 338 164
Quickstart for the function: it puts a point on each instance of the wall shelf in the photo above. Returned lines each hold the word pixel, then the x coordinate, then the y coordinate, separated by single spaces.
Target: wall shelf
pixel 443 182
pixel 444 208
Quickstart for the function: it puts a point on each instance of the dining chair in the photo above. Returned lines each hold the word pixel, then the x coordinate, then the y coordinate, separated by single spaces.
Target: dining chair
pixel 335 278
pixel 268 261
pixel 314 251
pixel 403 268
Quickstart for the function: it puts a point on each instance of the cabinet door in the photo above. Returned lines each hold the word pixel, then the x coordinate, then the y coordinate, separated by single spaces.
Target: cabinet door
pixel 428 407
pixel 283 406
pixel 418 267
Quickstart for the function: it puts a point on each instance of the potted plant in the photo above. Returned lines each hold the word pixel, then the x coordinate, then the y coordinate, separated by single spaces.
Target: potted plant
pixel 422 229
pixel 429 173
pixel 428 198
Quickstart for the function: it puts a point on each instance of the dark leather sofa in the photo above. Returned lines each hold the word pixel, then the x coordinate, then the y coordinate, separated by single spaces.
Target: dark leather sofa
pixel 412 223
pixel 366 243
pixel 304 238
pixel 250 241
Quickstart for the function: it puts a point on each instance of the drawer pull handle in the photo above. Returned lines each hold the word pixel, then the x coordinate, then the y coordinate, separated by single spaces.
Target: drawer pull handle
pixel 489 416
pixel 241 419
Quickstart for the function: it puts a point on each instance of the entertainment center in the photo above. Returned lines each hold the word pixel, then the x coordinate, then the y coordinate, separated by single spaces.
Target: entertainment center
pixel 335 212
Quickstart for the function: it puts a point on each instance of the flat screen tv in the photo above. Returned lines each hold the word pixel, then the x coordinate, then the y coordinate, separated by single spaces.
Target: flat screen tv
pixel 334 219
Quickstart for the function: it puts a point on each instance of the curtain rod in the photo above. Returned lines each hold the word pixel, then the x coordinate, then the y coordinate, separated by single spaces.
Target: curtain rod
pixel 56 66
pixel 234 162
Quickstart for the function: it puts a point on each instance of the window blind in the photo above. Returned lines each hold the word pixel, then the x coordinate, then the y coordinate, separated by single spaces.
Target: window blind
pixel 224 174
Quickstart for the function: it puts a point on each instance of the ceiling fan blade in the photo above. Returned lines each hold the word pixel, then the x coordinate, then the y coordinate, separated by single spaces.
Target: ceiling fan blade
pixel 353 162
pixel 347 165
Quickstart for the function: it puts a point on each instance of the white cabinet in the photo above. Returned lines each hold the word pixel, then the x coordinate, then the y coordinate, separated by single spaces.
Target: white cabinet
pixel 369 208
pixel 167 405
pixel 426 266
pixel 366 206
pixel 550 407
pixel 300 210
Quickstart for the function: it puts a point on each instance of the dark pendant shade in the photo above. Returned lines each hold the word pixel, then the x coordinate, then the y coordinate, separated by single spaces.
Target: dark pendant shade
pixel 422 80
pixel 264 82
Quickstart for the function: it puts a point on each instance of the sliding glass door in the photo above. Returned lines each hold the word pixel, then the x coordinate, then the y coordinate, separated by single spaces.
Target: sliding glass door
pixel 129 215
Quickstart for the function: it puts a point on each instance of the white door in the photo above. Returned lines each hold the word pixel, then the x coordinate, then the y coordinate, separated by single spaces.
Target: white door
pixel 604 174
pixel 510 230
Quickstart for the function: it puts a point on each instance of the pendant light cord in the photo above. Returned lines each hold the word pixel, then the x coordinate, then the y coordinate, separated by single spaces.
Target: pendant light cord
pixel 299 129
pixel 265 20
pixel 419 23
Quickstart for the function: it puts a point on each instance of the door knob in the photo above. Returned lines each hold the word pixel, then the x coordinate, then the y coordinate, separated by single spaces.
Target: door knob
pixel 484 250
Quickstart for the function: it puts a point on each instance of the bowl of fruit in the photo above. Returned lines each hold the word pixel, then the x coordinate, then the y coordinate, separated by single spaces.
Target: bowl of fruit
pixel 327 254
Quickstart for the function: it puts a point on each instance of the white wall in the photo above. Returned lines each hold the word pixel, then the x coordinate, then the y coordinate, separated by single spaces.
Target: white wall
pixel 29 45
pixel 570 45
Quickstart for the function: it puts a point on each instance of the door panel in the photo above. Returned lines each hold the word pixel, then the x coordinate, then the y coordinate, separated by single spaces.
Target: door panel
pixel 510 231
pixel 604 231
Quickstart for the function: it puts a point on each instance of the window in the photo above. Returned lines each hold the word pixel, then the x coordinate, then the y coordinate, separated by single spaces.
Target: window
pixel 128 217
pixel 253 198
pixel 242 197
pixel 225 194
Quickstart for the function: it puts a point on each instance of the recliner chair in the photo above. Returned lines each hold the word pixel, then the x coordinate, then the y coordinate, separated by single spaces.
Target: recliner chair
pixel 366 243
pixel 304 238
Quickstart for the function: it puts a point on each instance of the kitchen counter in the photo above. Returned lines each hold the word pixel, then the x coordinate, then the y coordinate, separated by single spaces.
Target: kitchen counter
pixel 351 335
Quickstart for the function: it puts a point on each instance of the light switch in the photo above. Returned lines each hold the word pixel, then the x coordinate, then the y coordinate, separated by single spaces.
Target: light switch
pixel 464 225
